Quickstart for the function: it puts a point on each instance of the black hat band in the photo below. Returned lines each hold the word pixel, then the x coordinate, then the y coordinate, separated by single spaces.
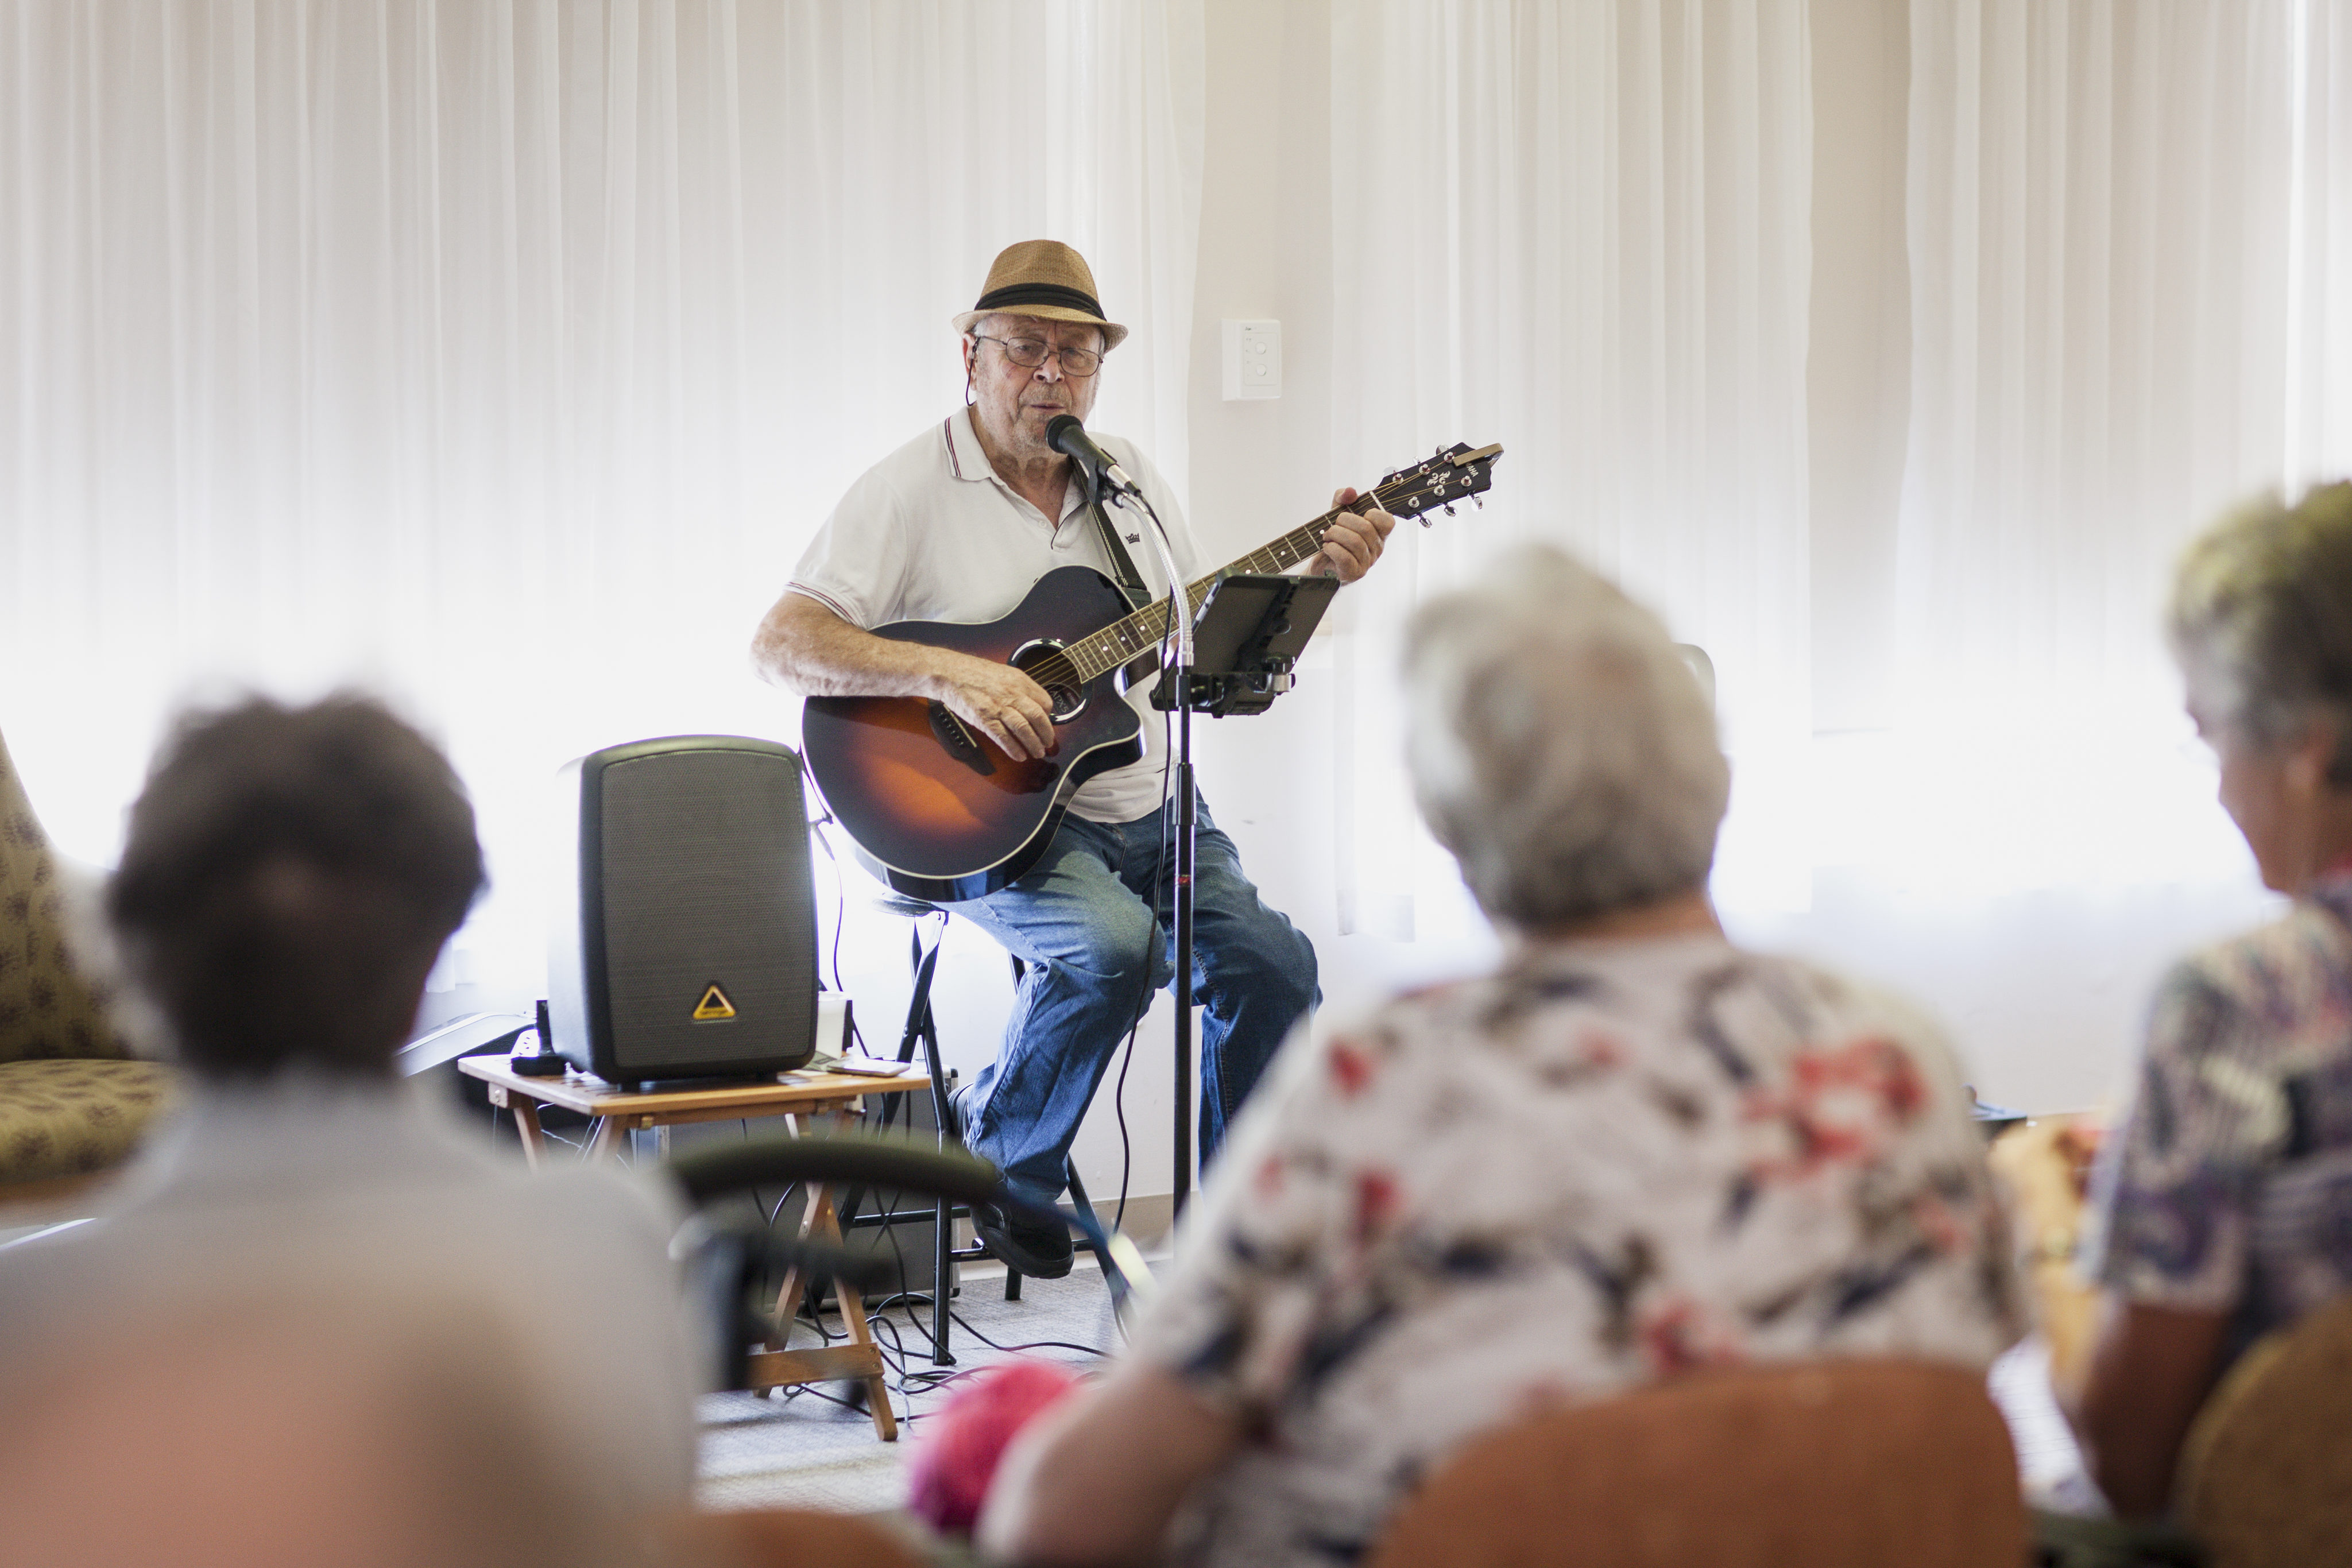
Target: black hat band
pixel 1019 294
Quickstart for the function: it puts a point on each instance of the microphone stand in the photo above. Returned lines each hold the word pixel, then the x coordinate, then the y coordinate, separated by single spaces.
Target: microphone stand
pixel 1255 629
pixel 1187 819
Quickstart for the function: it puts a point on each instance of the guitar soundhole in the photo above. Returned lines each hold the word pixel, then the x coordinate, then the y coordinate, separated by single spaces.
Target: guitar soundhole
pixel 1044 662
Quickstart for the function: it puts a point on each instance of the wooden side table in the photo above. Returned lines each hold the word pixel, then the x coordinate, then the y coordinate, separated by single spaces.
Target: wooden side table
pixel 802 1099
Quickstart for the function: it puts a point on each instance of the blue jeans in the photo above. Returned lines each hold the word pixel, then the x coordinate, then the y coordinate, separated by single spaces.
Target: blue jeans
pixel 1079 922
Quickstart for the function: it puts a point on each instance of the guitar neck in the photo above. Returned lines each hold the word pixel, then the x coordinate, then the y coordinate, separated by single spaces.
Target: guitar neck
pixel 1129 639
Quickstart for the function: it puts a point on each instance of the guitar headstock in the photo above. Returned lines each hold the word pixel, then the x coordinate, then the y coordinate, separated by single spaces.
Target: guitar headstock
pixel 1457 473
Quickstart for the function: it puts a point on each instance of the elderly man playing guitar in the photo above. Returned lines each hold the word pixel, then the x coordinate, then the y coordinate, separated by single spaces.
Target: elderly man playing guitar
pixel 955 527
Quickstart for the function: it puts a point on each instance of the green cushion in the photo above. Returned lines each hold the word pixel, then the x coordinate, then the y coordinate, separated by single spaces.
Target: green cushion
pixel 47 1007
pixel 69 1118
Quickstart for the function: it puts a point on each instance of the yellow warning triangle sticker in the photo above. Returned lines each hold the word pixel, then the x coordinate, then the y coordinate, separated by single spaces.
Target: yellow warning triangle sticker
pixel 713 1004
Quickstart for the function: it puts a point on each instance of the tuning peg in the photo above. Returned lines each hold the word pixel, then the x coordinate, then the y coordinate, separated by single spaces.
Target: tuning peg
pixel 1449 508
pixel 1479 502
pixel 1426 519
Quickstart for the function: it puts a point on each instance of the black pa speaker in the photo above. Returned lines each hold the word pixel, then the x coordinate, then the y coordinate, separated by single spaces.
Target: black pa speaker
pixel 684 941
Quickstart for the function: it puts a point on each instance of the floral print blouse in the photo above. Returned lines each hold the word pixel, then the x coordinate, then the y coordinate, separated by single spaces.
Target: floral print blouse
pixel 1608 1163
pixel 2228 1185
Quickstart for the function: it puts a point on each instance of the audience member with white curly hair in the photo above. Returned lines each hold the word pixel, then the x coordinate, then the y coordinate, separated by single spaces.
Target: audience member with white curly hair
pixel 1633 1151
pixel 2221 1208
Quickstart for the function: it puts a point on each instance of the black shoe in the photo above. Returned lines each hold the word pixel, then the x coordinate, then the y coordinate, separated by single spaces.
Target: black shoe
pixel 1038 1248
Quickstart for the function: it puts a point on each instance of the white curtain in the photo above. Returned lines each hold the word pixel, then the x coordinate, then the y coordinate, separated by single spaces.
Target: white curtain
pixel 1580 228
pixel 2319 286
pixel 502 354
pixel 2129 270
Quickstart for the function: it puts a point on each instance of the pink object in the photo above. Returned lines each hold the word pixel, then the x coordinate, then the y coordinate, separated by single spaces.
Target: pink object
pixel 949 1472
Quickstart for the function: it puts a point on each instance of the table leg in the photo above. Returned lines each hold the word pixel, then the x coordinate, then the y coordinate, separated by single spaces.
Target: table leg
pixel 534 1141
pixel 526 1115
pixel 606 1138
pixel 877 1387
pixel 788 1299
pixel 861 1359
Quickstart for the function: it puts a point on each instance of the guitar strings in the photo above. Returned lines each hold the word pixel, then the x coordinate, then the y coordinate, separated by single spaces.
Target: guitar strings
pixel 1061 667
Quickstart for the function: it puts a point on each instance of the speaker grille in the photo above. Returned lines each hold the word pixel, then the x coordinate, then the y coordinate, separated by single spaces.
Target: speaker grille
pixel 706 883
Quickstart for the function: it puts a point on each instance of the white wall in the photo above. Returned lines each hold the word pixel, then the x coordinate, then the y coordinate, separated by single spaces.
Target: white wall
pixel 1260 468
pixel 2042 989
pixel 1859 372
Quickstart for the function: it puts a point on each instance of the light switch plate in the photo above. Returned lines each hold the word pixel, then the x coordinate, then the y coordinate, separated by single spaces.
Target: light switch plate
pixel 1253 360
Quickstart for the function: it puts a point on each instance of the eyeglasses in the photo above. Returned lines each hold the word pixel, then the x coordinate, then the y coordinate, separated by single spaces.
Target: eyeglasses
pixel 1029 354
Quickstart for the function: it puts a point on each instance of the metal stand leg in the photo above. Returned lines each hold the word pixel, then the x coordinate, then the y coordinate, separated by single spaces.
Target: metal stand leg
pixel 1012 1274
pixel 922 1030
pixel 922 1026
pixel 1078 1197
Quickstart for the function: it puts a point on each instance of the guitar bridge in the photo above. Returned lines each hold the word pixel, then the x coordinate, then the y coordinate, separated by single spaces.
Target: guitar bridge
pixel 961 743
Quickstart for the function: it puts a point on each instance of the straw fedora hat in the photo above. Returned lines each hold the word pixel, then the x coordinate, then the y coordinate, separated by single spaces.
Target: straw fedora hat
pixel 1046 278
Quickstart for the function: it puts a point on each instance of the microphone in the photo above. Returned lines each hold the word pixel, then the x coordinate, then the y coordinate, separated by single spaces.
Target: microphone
pixel 1066 435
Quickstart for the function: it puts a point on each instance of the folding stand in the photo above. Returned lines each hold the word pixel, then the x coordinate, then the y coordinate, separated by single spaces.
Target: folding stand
pixel 923 958
pixel 1246 638
pixel 922 1030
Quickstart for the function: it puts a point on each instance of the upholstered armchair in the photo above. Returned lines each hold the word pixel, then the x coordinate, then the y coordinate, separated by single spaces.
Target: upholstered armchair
pixel 73 1101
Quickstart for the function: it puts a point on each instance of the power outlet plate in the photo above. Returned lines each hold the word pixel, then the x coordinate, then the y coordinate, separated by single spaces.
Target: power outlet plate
pixel 1253 360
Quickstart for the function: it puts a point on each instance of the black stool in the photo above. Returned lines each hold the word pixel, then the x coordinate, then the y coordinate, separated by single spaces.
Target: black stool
pixel 922 1028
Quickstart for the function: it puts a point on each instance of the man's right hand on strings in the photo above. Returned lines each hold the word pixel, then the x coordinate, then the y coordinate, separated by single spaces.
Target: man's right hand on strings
pixel 998 701
pixel 803 646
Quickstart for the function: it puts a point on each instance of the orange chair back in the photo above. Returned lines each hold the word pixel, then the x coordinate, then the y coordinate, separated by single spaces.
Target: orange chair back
pixel 781 1537
pixel 1852 1464
pixel 2266 1474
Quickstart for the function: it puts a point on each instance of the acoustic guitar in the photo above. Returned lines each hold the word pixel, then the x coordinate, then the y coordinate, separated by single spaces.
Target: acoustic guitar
pixel 936 810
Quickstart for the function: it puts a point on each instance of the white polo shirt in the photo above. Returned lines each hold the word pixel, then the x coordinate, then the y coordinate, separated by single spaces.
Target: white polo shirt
pixel 933 533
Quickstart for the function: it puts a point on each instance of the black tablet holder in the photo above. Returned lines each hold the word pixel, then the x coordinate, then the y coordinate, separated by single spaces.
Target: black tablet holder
pixel 1246 640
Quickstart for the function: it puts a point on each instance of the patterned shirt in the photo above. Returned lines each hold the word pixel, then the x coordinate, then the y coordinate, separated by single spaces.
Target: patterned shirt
pixel 2228 1187
pixel 1610 1163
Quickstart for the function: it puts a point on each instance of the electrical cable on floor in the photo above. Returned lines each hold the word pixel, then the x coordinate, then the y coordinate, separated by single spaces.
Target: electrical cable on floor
pixel 907 1382
pixel 1033 1345
pixel 906 1298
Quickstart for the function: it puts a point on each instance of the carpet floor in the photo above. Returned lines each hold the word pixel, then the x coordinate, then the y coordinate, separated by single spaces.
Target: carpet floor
pixel 810 1448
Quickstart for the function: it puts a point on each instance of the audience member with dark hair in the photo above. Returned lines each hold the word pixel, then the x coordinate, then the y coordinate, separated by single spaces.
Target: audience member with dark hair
pixel 288 880
pixel 2221 1204
pixel 1632 1152
pixel 290 877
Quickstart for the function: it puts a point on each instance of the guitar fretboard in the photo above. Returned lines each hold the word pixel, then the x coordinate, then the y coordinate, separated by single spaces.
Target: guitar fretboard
pixel 1124 641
